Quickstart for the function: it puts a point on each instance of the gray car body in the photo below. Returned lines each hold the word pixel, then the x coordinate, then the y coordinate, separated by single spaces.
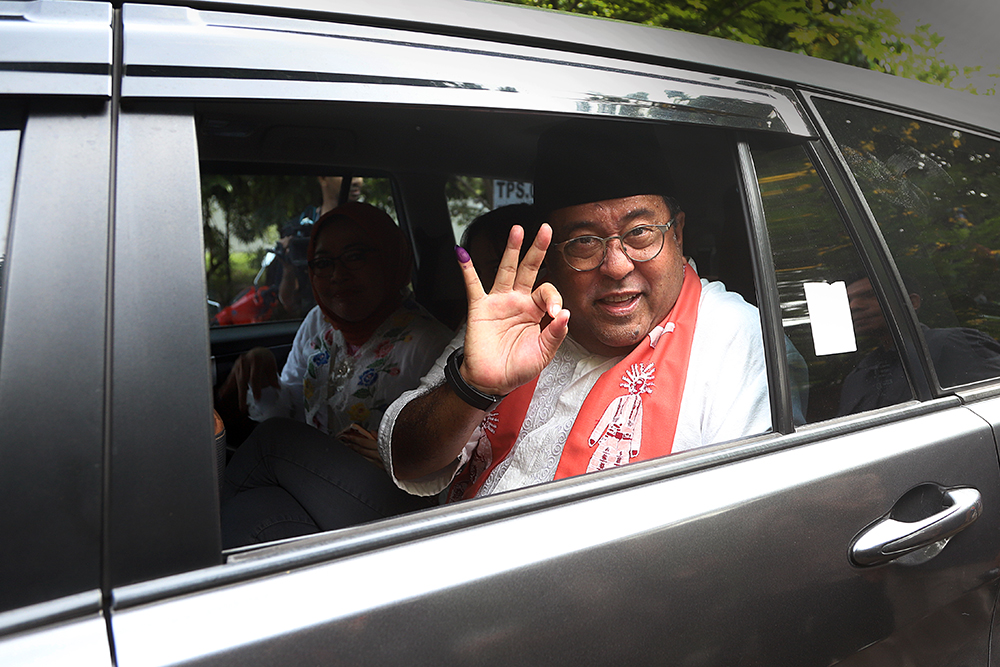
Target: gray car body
pixel 732 554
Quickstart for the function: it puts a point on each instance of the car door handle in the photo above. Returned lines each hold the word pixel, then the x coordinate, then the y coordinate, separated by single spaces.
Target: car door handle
pixel 889 539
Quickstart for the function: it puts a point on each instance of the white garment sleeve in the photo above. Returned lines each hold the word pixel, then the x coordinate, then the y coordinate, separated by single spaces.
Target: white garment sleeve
pixel 436 482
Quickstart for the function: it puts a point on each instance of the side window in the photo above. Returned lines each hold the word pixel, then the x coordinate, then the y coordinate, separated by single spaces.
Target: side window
pixel 841 356
pixel 257 229
pixel 346 387
pixel 935 193
pixel 508 202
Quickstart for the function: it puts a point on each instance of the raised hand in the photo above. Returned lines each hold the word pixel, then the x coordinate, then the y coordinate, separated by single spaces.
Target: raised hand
pixel 505 342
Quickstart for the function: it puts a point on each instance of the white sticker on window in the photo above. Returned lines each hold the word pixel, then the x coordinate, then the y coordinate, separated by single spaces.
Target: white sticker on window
pixel 830 317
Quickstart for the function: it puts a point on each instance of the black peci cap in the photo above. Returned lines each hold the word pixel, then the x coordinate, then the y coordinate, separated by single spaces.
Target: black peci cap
pixel 582 161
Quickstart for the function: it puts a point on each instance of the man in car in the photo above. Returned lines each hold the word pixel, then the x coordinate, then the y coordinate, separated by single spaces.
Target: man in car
pixel 653 360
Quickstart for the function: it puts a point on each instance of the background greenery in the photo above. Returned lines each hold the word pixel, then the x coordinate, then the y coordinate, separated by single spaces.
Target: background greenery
pixel 856 32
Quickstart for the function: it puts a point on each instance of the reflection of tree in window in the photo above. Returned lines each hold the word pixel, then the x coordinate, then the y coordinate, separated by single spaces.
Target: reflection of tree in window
pixel 935 193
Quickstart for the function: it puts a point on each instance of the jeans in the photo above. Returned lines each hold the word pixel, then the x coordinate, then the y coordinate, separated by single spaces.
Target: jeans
pixel 290 479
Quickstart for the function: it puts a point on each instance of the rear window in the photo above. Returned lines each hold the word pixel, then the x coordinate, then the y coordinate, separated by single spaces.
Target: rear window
pixel 935 193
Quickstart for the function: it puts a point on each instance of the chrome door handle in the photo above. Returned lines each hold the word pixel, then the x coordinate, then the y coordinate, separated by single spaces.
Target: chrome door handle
pixel 889 539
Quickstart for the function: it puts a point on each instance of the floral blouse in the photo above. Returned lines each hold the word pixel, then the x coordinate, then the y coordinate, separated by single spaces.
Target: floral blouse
pixel 329 387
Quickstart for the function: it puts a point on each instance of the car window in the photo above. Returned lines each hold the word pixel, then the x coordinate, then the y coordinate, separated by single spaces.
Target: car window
pixel 699 168
pixel 841 357
pixel 935 194
pixel 257 229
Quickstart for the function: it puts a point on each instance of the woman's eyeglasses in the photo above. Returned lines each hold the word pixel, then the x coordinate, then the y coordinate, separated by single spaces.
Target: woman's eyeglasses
pixel 353 259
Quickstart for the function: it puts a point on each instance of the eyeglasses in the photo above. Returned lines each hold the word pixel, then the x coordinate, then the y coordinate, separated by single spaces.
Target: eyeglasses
pixel 352 260
pixel 640 244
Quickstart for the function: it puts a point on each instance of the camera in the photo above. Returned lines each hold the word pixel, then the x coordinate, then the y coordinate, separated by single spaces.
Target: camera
pixel 298 244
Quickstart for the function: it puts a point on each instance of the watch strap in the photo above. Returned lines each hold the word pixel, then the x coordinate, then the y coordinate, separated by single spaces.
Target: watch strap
pixel 463 389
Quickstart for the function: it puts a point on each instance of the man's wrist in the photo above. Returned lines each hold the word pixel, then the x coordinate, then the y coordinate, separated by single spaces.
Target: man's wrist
pixel 464 390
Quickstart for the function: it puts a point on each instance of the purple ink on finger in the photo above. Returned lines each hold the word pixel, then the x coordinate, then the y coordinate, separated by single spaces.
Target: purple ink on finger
pixel 463 254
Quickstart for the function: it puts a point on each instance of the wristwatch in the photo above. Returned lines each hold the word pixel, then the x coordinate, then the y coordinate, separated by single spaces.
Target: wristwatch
pixel 466 391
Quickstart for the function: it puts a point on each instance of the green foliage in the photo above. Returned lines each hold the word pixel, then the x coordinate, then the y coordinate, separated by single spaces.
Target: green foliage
pixel 378 192
pixel 934 193
pixel 468 198
pixel 855 32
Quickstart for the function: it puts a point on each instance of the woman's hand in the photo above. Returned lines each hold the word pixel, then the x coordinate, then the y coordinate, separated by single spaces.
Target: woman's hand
pixel 505 342
pixel 253 370
pixel 362 441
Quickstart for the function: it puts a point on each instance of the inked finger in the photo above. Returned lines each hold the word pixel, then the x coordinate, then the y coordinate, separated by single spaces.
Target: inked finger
pixel 473 288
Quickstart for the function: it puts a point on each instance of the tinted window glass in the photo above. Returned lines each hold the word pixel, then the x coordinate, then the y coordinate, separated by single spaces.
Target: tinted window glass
pixel 935 192
pixel 840 353
pixel 256 233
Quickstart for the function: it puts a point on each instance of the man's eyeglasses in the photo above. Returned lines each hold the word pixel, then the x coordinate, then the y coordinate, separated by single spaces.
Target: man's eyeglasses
pixel 352 260
pixel 640 244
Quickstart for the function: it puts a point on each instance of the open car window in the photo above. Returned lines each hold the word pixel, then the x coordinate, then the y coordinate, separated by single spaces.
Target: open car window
pixel 435 197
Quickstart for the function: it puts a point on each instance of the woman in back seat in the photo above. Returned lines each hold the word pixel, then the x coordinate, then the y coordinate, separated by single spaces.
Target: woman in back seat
pixel 365 343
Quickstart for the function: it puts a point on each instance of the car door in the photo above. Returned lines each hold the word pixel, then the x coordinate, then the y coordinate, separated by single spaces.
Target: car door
pixel 739 552
pixel 930 185
pixel 55 147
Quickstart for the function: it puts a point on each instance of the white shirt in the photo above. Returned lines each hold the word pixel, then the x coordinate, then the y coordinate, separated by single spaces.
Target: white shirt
pixel 725 397
pixel 330 386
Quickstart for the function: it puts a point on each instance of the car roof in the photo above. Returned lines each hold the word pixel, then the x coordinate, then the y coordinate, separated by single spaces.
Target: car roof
pixel 512 24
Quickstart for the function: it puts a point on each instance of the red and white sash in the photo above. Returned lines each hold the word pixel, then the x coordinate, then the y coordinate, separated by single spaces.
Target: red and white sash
pixel 608 429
